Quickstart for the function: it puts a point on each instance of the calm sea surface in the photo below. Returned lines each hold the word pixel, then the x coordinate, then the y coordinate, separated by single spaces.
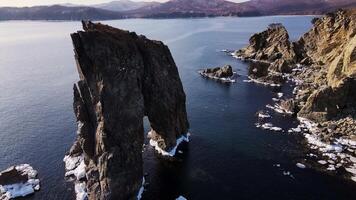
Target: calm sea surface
pixel 228 158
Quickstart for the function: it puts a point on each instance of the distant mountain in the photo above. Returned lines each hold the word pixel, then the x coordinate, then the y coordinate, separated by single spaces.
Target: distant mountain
pixel 194 8
pixel 174 9
pixel 57 12
pixel 298 7
pixel 126 5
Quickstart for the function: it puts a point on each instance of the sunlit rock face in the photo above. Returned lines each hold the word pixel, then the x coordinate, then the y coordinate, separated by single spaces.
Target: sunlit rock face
pixel 123 77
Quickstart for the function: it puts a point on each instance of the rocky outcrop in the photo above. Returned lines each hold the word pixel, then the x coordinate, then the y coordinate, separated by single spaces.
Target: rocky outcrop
pixel 331 46
pixel 328 56
pixel 18 181
pixel 270 45
pixel 220 72
pixel 322 64
pixel 332 42
pixel 123 77
pixel 272 55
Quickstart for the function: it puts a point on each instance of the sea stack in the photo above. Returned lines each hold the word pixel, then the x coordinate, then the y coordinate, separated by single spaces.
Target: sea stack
pixel 224 73
pixel 123 77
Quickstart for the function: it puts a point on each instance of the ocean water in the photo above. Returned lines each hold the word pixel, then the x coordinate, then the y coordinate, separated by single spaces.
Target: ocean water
pixel 227 158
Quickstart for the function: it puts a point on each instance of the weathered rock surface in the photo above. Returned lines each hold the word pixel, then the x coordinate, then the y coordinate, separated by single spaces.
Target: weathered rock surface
pixel 219 72
pixel 332 42
pixel 123 77
pixel 331 45
pixel 270 45
pixel 328 54
pixel 323 66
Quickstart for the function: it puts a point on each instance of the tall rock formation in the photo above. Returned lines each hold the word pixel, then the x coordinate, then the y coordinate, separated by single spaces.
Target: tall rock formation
pixel 328 52
pixel 331 45
pixel 274 53
pixel 123 77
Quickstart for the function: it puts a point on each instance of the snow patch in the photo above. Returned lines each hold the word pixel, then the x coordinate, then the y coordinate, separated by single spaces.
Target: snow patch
pixel 300 165
pixel 75 166
pixel 172 152
pixel 140 192
pixel 268 126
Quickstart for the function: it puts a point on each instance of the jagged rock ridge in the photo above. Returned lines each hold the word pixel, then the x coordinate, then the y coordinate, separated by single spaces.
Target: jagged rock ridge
pixel 328 50
pixel 123 77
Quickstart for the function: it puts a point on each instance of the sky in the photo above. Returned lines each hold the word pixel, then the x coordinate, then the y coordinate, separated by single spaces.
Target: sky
pixel 20 3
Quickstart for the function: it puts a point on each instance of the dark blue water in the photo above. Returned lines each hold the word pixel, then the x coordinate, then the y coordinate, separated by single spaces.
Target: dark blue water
pixel 228 158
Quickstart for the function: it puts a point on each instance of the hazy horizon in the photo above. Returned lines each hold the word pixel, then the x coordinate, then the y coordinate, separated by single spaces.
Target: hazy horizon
pixel 21 3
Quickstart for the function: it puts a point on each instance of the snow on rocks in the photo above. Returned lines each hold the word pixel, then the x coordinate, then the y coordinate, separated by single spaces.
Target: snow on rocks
pixel 142 189
pixel 181 198
pixel 277 108
pixel 300 165
pixel 263 115
pixel 252 80
pixel 172 152
pixel 268 126
pixel 80 190
pixel 322 162
pixel 75 167
pixel 18 181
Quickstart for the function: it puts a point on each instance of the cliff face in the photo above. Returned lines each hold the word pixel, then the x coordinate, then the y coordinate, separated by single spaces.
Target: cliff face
pixel 123 77
pixel 271 46
pixel 328 56
pixel 330 44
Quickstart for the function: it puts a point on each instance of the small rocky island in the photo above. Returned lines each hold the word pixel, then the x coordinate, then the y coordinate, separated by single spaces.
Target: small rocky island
pixel 123 78
pixel 224 74
pixel 322 66
pixel 18 181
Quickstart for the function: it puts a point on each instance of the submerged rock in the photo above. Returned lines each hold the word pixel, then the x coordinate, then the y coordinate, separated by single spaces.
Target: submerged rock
pixel 123 77
pixel 18 181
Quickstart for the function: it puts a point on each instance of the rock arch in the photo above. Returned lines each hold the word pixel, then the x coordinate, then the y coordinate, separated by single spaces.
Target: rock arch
pixel 123 77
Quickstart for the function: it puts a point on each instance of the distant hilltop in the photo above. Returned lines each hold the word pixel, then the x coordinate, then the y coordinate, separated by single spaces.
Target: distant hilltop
pixel 173 9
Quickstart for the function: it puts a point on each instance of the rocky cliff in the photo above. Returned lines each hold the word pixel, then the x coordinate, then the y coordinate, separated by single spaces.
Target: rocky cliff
pixel 123 77
pixel 323 67
pixel 272 51
pixel 328 58
pixel 330 45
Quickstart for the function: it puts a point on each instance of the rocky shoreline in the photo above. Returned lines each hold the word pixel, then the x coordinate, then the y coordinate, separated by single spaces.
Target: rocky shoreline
pixel 322 66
